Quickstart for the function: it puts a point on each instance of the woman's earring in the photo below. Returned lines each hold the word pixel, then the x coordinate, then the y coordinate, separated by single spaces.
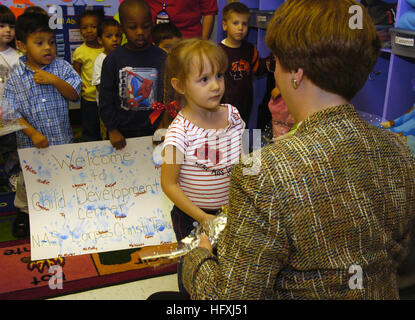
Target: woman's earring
pixel 294 83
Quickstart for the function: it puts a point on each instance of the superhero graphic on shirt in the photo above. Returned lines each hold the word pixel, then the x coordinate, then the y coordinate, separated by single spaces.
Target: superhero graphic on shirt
pixel 238 68
pixel 138 88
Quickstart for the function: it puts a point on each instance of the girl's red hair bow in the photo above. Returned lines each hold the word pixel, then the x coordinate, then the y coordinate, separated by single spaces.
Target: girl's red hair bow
pixel 172 108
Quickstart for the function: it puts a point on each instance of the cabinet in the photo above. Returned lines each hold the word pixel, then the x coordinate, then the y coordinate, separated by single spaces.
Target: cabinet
pixel 389 90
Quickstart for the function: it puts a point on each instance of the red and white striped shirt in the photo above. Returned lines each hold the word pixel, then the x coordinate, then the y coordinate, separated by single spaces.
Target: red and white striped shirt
pixel 209 155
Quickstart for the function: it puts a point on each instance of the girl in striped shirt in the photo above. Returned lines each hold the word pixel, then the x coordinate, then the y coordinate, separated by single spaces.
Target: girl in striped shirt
pixel 203 141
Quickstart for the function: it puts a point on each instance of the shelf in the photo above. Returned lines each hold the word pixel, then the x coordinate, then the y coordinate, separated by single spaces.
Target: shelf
pixel 403 42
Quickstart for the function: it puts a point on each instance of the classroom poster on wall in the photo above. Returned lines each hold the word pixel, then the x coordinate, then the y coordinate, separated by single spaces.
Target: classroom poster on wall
pixel 18 6
pixel 88 198
pixel 68 38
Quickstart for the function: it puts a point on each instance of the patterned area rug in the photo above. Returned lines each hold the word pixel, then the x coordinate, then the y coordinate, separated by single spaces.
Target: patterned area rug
pixel 21 278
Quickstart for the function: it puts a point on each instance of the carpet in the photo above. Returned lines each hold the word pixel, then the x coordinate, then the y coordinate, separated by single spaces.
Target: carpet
pixel 21 278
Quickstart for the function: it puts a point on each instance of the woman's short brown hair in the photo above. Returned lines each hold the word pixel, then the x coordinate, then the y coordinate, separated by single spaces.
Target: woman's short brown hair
pixel 317 36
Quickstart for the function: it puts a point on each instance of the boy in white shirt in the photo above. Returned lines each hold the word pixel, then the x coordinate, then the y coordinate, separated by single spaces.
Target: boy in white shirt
pixel 109 36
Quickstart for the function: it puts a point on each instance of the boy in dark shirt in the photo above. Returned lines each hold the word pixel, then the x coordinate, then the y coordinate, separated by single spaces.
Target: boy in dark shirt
pixel 244 60
pixel 131 78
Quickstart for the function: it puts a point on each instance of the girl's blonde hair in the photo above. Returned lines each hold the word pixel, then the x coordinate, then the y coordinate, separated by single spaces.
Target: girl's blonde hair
pixel 185 56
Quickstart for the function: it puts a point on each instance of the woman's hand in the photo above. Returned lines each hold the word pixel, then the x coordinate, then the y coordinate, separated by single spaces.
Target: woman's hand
pixel 117 139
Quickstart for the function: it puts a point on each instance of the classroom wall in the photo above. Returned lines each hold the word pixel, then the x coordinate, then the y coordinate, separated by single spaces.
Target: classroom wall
pixel 71 31
pixel 68 38
pixel 18 6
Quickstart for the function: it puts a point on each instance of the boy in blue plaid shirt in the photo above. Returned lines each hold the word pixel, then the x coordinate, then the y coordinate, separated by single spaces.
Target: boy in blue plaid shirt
pixel 38 90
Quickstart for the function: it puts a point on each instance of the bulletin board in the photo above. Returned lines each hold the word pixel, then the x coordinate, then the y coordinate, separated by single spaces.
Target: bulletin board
pixel 68 38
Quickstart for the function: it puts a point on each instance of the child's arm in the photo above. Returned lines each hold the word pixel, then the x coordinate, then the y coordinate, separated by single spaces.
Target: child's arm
pixel 160 132
pixel 108 102
pixel 170 170
pixel 77 66
pixel 117 139
pixel 259 66
pixel 207 26
pixel 38 139
pixel 262 67
pixel 96 73
pixel 67 91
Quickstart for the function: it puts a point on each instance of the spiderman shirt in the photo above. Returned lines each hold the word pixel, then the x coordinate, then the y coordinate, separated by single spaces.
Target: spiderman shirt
pixel 138 87
pixel 130 83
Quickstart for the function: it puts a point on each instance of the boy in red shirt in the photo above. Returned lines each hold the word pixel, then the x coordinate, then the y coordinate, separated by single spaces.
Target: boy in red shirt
pixel 195 19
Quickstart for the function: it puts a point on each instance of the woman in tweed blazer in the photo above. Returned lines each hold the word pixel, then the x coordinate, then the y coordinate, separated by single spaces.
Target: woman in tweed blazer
pixel 327 213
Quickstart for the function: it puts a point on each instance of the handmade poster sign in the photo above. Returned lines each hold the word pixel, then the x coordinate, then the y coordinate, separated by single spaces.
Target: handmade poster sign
pixel 88 197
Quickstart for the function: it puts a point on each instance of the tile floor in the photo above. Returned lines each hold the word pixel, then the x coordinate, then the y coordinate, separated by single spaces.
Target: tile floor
pixel 137 290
